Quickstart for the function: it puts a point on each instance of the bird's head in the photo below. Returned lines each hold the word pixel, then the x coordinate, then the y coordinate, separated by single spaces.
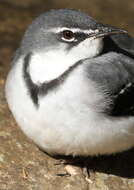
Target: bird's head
pixel 59 39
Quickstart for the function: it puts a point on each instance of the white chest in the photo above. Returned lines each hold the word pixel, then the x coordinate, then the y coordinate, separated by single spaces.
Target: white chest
pixel 68 119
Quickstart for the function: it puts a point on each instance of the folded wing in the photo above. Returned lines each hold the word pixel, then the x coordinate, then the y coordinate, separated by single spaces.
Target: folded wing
pixel 113 71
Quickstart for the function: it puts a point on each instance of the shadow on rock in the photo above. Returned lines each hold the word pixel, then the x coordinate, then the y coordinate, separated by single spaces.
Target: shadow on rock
pixel 121 164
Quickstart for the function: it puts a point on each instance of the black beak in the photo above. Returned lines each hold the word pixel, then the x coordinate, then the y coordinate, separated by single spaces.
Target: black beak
pixel 106 30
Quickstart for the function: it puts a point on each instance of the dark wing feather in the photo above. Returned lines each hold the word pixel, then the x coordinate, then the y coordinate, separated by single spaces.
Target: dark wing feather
pixel 124 100
pixel 121 43
pixel 115 73
pixel 125 42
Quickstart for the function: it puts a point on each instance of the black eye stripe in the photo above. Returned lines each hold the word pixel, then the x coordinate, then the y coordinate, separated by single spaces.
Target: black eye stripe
pixel 79 36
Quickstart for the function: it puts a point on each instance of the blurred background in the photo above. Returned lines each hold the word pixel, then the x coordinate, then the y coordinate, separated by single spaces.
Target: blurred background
pixel 16 15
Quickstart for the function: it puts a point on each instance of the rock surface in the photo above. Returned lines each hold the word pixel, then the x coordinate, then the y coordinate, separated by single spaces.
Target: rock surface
pixel 22 165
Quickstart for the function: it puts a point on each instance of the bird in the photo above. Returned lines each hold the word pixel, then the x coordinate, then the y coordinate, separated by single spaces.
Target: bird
pixel 71 85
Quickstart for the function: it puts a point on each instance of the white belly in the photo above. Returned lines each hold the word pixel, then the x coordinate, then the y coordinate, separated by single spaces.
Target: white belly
pixel 68 119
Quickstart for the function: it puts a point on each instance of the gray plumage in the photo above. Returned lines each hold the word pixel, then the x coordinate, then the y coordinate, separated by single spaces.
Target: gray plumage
pixel 35 36
pixel 71 87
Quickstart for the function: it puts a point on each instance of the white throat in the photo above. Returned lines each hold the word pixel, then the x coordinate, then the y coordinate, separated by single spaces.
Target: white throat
pixel 49 65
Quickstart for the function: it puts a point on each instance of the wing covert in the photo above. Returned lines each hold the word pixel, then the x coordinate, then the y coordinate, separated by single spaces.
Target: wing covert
pixel 114 72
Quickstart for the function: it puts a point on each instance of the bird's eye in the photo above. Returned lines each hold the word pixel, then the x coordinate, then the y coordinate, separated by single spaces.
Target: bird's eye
pixel 68 35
